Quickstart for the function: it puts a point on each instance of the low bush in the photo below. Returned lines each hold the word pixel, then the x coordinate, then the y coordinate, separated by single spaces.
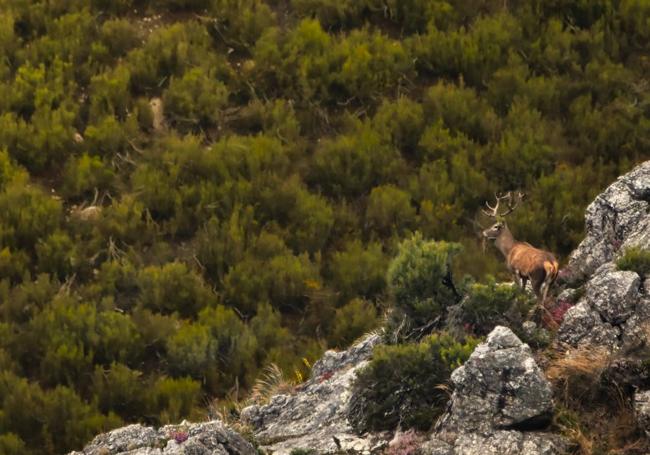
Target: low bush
pixel 421 285
pixel 635 259
pixel 488 305
pixel 402 384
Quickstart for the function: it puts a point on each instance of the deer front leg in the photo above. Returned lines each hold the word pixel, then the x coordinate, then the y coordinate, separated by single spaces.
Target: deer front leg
pixel 537 285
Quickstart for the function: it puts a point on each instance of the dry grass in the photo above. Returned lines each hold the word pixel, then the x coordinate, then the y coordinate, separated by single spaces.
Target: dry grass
pixel 578 371
pixel 271 382
pixel 592 411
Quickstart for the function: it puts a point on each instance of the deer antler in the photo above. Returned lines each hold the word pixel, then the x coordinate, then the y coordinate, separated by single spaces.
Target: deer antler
pixel 513 202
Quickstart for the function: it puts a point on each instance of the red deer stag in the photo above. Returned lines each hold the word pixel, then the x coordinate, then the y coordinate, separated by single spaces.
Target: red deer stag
pixel 523 260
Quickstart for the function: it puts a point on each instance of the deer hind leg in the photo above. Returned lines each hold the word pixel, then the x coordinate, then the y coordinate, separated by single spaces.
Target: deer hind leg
pixel 551 269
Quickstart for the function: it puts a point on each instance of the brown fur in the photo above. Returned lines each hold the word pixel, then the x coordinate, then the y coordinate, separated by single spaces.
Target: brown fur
pixel 525 261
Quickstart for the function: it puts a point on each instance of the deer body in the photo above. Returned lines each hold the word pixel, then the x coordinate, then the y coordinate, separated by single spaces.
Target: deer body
pixel 526 262
pixel 523 260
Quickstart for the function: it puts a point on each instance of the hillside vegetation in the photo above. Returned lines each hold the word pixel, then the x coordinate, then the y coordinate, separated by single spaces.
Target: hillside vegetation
pixel 191 190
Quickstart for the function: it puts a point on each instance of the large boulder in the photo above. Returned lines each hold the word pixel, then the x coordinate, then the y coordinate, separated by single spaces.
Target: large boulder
pixel 617 219
pixel 315 417
pixel 208 438
pixel 614 311
pixel 499 387
pixel 501 401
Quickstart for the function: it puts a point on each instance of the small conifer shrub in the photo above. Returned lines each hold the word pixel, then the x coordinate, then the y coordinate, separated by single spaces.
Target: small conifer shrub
pixel 421 286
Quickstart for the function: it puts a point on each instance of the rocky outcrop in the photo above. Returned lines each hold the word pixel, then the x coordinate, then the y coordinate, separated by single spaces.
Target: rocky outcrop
pixel 615 309
pixel 500 402
pixel 316 416
pixel 617 219
pixel 201 438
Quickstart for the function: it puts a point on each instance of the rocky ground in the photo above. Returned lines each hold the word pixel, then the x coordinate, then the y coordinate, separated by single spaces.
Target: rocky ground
pixel 502 401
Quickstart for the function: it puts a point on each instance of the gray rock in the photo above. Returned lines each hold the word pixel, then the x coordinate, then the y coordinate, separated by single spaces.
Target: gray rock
pixel 499 387
pixel 209 438
pixel 316 416
pixel 618 218
pixel 510 443
pixel 614 294
pixel 614 312
pixel 500 395
pixel 436 446
pixel 583 325
pixel 642 410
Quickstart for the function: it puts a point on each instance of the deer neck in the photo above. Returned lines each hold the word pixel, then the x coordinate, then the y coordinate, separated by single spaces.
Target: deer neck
pixel 505 242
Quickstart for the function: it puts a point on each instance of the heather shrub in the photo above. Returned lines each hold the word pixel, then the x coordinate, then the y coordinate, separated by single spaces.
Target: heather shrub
pixel 401 384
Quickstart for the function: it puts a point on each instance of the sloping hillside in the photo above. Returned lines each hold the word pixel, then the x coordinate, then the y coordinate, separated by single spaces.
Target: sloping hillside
pixel 193 190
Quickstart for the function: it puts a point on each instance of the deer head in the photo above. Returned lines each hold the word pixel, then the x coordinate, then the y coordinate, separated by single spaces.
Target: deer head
pixel 500 226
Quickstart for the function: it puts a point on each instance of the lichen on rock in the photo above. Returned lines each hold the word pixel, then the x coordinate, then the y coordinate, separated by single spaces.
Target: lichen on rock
pixel 315 417
pixel 196 438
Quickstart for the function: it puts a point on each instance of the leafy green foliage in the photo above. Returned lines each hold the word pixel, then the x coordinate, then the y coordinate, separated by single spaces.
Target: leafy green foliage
pixel 401 384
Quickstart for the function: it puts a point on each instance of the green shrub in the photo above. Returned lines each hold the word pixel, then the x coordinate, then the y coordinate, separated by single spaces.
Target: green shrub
pixel 488 305
pixel 420 283
pixel 221 244
pixel 109 93
pixel 351 164
pixel 401 384
pixel 28 215
pixel 172 288
pixel 119 36
pixel 359 270
pixel 241 22
pixel 283 280
pixel 636 259
pixel 461 110
pixel 402 121
pixel 353 320
pixel 57 255
pixel 11 444
pixel 84 174
pixel 371 63
pixel 173 399
pixel 106 137
pixel 119 389
pixel 170 51
pixel 331 13
pixel 390 211
pixel 195 100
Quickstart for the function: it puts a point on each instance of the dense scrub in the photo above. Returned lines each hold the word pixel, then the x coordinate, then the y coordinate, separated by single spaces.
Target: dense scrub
pixel 192 189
